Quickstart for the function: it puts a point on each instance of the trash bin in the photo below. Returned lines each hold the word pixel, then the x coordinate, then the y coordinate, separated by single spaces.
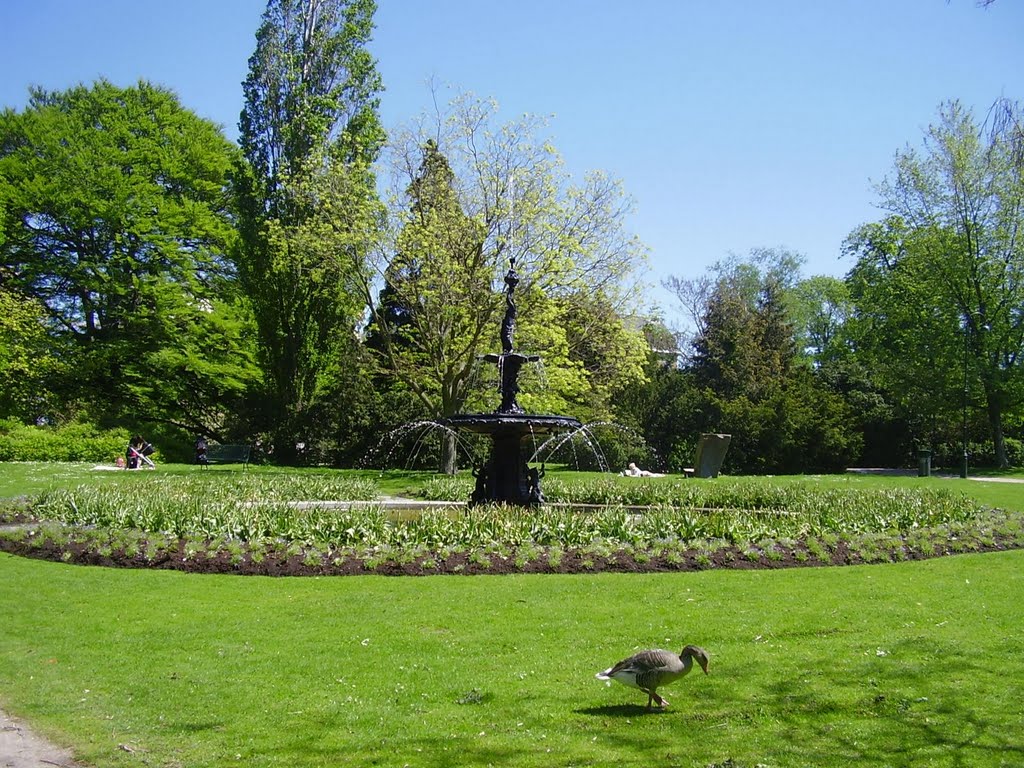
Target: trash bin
pixel 924 462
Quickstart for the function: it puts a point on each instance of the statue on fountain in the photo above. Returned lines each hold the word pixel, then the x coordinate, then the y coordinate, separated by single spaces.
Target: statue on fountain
pixel 509 362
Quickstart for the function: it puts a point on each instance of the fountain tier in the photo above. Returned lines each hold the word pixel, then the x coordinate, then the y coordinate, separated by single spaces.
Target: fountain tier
pixel 506 477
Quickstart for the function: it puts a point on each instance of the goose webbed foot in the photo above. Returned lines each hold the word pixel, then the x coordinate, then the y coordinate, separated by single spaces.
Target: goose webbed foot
pixel 654 698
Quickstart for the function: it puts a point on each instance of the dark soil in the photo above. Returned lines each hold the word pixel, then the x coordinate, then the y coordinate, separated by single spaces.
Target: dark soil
pixel 91 548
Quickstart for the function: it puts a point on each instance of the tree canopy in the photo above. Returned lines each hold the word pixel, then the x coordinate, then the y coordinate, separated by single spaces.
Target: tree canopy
pixel 468 196
pixel 941 279
pixel 323 282
pixel 117 222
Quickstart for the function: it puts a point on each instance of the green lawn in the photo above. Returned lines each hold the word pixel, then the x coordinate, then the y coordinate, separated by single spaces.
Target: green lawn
pixel 909 664
pixel 28 478
pixel 915 664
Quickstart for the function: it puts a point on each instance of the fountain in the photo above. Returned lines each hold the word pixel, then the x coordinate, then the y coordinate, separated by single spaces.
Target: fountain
pixel 506 477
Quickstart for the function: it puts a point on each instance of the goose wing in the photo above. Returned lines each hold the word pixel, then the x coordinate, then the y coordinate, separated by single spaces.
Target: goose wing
pixel 644 663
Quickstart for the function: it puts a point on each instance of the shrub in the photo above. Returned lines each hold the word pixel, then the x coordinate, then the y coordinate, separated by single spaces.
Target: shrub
pixel 599 447
pixel 71 442
pixel 950 454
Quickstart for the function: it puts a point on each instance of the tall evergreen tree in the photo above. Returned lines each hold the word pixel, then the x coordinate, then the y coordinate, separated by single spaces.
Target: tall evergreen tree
pixel 781 415
pixel 437 298
pixel 746 340
pixel 308 207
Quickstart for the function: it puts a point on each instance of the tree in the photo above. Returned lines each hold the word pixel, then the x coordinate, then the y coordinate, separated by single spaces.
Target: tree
pixel 27 360
pixel 949 261
pixel 743 378
pixel 746 335
pixel 308 207
pixel 822 306
pixel 468 196
pixel 117 222
pixel 437 292
pixel 907 343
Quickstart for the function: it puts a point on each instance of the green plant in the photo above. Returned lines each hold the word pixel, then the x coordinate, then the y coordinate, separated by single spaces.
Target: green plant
pixel 72 442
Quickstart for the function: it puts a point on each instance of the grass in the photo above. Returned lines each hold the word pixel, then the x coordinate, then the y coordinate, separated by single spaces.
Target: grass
pixel 910 664
pixel 30 478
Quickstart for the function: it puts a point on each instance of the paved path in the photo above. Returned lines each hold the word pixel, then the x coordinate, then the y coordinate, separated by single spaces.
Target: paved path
pixel 913 473
pixel 21 748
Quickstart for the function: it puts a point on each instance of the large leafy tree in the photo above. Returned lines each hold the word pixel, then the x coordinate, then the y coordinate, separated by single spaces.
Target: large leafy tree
pixel 309 133
pixel 941 279
pixel 437 293
pixel 429 320
pixel 468 196
pixel 117 223
pixel 821 308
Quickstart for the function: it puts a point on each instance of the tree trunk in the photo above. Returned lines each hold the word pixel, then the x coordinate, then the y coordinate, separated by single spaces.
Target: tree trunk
pixel 448 453
pixel 995 420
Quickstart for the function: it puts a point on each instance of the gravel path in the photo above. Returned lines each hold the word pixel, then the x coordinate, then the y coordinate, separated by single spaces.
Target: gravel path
pixel 21 748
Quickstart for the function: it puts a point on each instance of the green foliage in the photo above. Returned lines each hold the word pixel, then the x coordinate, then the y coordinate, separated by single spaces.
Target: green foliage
pixel 307 200
pixel 28 362
pixel 821 306
pixel 950 454
pixel 437 299
pixel 800 426
pixel 747 375
pixel 117 223
pixel 600 447
pixel 794 424
pixel 937 285
pixel 746 340
pixel 71 442
pixel 469 195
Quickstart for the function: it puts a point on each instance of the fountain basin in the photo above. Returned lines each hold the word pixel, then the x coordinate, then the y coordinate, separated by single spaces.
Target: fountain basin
pixel 511 423
pixel 506 478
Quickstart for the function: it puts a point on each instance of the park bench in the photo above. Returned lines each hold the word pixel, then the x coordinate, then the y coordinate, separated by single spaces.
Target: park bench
pixel 227 454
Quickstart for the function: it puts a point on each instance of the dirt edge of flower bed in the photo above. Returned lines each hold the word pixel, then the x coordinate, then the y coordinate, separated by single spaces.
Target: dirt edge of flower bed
pixel 39 540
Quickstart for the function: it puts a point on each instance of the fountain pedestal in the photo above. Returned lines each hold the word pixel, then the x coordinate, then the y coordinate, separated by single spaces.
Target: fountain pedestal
pixel 506 477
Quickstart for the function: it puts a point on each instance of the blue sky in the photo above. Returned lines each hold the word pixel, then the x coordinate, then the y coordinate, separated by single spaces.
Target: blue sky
pixel 734 125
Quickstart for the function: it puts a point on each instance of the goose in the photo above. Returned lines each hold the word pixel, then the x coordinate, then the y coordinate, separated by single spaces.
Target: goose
pixel 648 670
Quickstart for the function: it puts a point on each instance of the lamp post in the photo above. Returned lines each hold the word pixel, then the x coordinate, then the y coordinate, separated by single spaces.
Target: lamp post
pixel 963 467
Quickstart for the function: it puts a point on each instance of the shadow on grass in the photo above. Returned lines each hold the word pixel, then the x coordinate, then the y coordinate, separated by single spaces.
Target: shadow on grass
pixel 894 709
pixel 622 710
